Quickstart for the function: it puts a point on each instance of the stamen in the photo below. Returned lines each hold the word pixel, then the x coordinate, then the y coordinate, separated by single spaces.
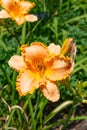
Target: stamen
pixel 41 68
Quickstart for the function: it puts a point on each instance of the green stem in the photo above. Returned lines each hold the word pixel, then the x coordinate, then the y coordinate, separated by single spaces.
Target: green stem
pixel 23 40
pixel 44 5
pixel 28 36
pixel 10 118
pixel 81 61
pixel 13 82
pixel 68 5
pixel 60 5
pixel 25 105
pixel 59 122
pixel 5 73
pixel 40 114
pixel 3 45
pixel 76 18
pixel 33 123
pixel 10 31
pixel 41 109
pixel 69 115
pixel 56 110
pixel 81 67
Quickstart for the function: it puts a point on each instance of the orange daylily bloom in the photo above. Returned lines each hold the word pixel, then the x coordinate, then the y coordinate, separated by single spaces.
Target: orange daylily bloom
pixel 40 67
pixel 17 10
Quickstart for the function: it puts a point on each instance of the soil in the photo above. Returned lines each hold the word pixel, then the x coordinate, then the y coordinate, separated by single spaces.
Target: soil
pixel 73 125
pixel 82 124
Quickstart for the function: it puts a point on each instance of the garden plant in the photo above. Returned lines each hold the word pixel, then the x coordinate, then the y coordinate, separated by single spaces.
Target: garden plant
pixel 43 64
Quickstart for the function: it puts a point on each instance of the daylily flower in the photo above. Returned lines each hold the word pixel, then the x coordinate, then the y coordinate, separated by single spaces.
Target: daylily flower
pixel 40 67
pixel 17 10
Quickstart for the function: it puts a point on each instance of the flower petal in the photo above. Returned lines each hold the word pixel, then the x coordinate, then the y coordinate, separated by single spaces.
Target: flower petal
pixel 50 91
pixel 59 68
pixel 12 7
pixel 54 49
pixel 17 63
pixel 4 14
pixel 36 53
pixel 18 10
pixel 26 83
pixel 31 18
pixel 26 6
pixel 8 4
pixel 19 20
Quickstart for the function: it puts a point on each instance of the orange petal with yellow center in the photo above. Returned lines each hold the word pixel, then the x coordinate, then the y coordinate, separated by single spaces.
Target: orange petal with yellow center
pixel 31 18
pixel 36 53
pixel 26 83
pixel 54 49
pixel 50 91
pixel 8 4
pixel 26 6
pixel 17 63
pixel 4 14
pixel 59 68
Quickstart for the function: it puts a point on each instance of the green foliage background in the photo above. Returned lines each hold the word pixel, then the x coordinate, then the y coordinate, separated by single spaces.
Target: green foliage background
pixel 60 19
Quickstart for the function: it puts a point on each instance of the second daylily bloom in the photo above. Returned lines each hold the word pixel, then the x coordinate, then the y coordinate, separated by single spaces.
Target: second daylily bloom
pixel 17 10
pixel 40 67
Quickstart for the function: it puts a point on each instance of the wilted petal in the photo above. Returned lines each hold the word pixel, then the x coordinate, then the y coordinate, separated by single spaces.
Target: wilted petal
pixel 26 83
pixel 26 6
pixel 67 45
pixel 31 18
pixel 54 49
pixel 59 69
pixel 17 63
pixel 4 14
pixel 50 91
